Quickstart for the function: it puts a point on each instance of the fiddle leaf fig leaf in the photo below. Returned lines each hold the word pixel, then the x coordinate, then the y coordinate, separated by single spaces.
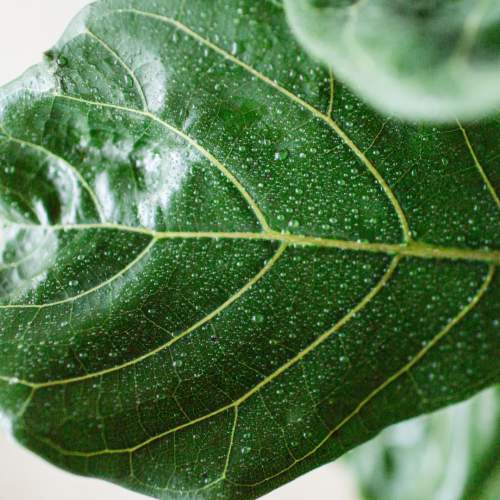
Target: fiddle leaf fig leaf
pixel 219 269
pixel 431 60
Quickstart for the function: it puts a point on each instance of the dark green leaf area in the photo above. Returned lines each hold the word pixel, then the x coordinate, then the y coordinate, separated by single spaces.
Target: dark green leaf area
pixel 218 268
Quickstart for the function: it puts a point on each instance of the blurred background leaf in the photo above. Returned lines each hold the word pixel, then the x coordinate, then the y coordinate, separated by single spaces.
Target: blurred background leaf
pixel 431 60
pixel 449 455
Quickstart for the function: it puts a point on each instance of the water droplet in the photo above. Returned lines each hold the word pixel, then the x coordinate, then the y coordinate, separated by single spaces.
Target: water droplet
pixel 281 155
pixel 62 61
pixel 258 318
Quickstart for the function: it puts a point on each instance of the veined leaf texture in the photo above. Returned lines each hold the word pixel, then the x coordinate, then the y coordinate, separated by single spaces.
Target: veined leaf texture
pixel 219 268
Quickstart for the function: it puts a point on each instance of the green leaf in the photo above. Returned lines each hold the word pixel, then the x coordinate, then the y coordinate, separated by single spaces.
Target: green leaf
pixel 455 450
pixel 426 59
pixel 219 268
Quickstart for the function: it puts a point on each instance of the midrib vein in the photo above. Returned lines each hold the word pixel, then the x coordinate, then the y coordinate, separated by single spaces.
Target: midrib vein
pixel 408 249
pixel 301 102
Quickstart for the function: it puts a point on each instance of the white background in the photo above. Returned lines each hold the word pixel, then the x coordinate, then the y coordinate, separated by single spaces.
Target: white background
pixel 27 29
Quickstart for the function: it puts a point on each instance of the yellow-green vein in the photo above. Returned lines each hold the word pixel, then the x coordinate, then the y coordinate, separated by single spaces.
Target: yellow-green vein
pixel 405 369
pixel 204 152
pixel 411 249
pixel 322 116
pixel 74 171
pixel 125 66
pixel 254 390
pixel 90 291
pixel 231 300
pixel 478 165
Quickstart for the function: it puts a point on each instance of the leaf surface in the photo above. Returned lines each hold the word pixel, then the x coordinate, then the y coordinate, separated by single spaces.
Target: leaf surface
pixel 430 60
pixel 219 269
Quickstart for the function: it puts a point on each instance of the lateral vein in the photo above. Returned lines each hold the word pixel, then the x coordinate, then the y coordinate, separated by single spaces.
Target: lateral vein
pixel 90 291
pixel 204 152
pixel 254 390
pixel 405 369
pixel 71 168
pixel 125 66
pixel 478 165
pixel 305 105
pixel 231 300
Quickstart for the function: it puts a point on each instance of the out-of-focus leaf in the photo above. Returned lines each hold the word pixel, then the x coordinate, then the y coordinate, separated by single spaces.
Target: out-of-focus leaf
pixel 451 454
pixel 426 59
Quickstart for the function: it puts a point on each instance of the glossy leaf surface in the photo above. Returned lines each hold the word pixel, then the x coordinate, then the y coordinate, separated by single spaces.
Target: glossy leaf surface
pixel 427 59
pixel 219 268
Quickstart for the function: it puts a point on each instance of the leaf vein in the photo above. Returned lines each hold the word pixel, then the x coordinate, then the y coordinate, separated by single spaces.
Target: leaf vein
pixel 125 66
pixel 477 163
pixel 384 280
pixel 90 291
pixel 204 152
pixel 305 105
pixel 411 249
pixel 71 168
pixel 231 300
pixel 405 369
